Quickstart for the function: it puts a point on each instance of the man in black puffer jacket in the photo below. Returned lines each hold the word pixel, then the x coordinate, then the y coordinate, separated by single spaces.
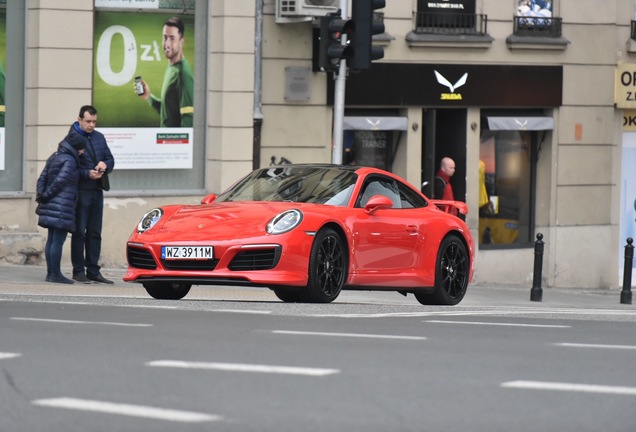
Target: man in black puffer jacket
pixel 57 197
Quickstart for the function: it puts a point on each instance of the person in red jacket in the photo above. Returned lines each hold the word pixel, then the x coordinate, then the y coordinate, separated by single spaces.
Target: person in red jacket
pixel 442 187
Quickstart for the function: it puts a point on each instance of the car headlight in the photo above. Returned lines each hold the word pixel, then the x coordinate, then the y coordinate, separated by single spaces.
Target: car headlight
pixel 149 220
pixel 285 221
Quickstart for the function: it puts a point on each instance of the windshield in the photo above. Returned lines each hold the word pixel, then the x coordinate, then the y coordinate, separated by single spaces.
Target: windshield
pixel 322 185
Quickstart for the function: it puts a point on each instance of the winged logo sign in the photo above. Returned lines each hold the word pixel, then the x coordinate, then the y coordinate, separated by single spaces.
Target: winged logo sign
pixel 451 87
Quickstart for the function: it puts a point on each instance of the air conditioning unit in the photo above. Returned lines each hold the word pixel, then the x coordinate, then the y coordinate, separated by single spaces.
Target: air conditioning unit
pixel 304 10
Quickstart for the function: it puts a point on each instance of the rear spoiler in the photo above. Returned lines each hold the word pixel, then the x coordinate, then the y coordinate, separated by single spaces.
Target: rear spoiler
pixel 452 207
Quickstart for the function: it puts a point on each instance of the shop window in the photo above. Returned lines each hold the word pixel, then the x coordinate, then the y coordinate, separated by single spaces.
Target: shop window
pixel 507 160
pixel 450 17
pixel 371 140
pixel 536 18
pixel 12 61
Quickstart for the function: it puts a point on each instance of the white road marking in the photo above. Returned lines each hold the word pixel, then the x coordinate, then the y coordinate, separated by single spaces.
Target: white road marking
pixel 90 303
pixel 239 367
pixel 582 388
pixel 581 345
pixel 4 356
pixel 127 410
pixel 56 321
pixel 496 324
pixel 244 311
pixel 354 335
pixel 493 311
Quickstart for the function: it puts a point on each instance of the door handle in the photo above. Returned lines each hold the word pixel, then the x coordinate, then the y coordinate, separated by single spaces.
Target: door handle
pixel 411 228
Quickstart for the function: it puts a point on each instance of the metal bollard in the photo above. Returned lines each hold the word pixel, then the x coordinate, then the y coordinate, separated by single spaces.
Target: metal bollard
pixel 626 294
pixel 536 293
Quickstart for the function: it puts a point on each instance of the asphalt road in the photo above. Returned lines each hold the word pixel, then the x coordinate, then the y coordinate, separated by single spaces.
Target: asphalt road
pixel 109 358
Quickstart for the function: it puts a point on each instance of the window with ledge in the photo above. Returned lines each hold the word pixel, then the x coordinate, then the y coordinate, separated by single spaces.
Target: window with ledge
pixel 449 17
pixel 536 18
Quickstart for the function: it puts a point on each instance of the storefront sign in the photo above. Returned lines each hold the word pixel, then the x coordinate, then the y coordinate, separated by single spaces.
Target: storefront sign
pixel 463 6
pixel 454 86
pixel 625 86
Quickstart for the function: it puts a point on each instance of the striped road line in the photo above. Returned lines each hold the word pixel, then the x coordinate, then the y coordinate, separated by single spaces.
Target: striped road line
pixel 5 355
pixel 239 367
pixel 352 335
pixel 569 387
pixel 56 321
pixel 581 345
pixel 496 324
pixel 127 410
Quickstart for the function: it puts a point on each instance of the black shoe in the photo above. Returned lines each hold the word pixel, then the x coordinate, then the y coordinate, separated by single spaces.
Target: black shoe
pixel 99 278
pixel 59 278
pixel 81 278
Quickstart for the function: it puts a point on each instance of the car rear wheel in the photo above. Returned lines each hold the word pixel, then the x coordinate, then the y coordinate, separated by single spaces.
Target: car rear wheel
pixel 327 267
pixel 167 290
pixel 451 274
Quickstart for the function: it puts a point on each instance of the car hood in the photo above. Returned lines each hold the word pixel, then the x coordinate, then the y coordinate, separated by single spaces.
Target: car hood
pixel 222 221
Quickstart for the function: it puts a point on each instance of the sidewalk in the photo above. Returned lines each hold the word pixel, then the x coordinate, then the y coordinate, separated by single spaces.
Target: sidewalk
pixel 29 279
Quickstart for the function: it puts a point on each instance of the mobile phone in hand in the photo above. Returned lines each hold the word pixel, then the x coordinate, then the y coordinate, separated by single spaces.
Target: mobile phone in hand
pixel 139 87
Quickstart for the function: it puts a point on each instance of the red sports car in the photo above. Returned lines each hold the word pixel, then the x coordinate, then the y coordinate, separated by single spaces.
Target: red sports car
pixel 307 232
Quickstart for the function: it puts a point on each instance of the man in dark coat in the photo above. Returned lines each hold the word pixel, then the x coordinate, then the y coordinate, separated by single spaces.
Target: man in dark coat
pixel 96 163
pixel 56 195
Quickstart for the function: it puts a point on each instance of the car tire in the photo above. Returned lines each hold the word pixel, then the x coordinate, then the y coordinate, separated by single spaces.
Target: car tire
pixel 167 290
pixel 451 274
pixel 290 295
pixel 328 263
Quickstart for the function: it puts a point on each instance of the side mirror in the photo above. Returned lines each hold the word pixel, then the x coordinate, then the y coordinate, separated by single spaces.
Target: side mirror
pixel 377 202
pixel 208 199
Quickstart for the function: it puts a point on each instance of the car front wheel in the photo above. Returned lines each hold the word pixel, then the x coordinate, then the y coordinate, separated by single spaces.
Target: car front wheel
pixel 167 290
pixel 451 274
pixel 327 267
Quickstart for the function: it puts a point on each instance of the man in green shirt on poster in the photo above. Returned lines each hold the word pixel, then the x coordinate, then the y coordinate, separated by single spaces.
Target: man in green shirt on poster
pixel 175 107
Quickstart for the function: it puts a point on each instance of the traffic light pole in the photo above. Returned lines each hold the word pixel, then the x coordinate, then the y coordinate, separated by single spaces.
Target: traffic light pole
pixel 338 100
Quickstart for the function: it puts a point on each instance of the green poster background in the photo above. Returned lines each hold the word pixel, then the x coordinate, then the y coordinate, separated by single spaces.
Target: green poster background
pixel 119 105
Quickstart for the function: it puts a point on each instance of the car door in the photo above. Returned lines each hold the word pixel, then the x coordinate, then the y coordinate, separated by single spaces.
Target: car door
pixel 384 241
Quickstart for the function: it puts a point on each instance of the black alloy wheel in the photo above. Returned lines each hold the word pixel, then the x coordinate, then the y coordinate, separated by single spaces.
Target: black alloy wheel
pixel 451 274
pixel 328 263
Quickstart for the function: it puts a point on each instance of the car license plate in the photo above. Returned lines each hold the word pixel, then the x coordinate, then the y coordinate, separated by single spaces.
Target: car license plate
pixel 187 252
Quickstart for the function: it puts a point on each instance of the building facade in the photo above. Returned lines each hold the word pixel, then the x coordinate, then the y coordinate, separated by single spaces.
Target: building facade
pixel 523 95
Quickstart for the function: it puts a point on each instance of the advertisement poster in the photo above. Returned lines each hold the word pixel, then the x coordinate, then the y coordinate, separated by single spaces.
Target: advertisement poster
pixel 627 226
pixel 147 54
pixel 3 56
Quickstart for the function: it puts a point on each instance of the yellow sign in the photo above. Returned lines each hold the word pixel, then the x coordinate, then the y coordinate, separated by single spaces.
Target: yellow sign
pixel 625 86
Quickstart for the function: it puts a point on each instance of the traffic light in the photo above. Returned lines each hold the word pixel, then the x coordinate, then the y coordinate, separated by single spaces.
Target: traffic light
pixel 365 28
pixel 332 27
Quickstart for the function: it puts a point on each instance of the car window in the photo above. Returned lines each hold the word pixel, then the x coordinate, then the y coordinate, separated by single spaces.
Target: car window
pixel 409 198
pixel 379 186
pixel 321 185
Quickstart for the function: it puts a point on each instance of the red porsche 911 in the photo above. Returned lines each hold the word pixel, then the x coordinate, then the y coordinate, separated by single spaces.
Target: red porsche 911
pixel 307 232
